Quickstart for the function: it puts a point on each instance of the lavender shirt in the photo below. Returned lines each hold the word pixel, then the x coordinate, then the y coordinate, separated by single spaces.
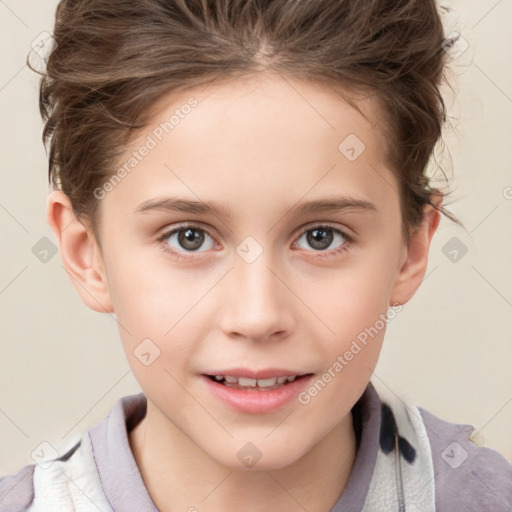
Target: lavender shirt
pixel 483 482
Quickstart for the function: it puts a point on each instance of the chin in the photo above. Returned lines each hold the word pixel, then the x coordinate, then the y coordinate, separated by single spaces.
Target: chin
pixel 256 457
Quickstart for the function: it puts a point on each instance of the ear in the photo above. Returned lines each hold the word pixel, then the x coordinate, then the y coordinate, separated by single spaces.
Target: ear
pixel 80 253
pixel 413 269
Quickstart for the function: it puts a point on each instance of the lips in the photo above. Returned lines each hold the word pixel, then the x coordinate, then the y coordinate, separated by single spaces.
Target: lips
pixel 256 399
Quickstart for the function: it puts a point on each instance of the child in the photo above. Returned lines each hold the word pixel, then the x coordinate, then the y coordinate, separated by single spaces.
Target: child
pixel 265 129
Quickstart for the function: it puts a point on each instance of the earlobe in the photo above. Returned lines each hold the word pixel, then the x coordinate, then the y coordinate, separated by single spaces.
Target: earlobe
pixel 80 253
pixel 413 270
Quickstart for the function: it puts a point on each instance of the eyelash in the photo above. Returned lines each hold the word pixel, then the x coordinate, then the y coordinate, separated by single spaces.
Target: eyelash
pixel 328 254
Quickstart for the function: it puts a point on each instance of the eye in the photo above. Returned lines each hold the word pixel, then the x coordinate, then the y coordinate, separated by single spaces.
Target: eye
pixel 321 237
pixel 188 238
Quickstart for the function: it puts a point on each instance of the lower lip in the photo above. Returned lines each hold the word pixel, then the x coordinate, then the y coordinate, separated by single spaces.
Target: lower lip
pixel 257 401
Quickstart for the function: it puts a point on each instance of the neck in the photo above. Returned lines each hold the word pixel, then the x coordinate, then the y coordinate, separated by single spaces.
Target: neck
pixel 181 476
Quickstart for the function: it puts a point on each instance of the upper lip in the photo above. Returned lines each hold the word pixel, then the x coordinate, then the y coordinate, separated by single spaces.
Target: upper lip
pixel 266 373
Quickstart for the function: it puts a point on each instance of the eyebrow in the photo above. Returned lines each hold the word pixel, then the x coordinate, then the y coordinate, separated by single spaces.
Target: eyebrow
pixel 176 204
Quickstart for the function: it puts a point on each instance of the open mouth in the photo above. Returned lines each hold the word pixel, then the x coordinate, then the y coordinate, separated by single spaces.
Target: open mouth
pixel 248 384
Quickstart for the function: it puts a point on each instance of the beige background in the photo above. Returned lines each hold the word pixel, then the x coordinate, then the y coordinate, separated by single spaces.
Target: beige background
pixel 450 349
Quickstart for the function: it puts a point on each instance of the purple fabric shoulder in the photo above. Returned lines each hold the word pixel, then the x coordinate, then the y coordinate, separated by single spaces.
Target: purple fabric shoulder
pixel 17 491
pixel 467 477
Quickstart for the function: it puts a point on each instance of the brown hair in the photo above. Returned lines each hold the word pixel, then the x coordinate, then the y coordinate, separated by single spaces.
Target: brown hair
pixel 114 59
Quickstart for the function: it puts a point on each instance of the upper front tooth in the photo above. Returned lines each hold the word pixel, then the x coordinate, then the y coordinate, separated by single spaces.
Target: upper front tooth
pixel 263 383
pixel 229 378
pixel 244 381
pixel 291 379
pixel 281 380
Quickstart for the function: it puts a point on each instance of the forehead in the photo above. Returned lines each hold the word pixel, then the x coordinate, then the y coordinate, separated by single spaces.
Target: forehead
pixel 272 112
pixel 264 137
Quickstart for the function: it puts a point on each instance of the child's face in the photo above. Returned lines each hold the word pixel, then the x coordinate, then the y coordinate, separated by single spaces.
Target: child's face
pixel 256 293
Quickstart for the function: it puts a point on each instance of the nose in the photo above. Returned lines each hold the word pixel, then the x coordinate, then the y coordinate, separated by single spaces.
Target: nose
pixel 258 303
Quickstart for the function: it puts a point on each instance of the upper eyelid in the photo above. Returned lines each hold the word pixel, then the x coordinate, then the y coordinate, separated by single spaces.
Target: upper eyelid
pixel 166 232
pixel 330 225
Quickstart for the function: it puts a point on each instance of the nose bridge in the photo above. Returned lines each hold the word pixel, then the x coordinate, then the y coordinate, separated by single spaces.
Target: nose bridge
pixel 258 303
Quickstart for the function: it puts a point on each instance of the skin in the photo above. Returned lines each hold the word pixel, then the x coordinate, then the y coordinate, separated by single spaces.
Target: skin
pixel 260 146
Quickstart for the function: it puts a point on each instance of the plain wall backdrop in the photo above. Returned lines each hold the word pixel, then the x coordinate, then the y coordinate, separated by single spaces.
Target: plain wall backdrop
pixel 62 366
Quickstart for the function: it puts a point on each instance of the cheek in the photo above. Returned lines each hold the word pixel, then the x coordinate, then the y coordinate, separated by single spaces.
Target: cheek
pixel 352 298
pixel 145 292
pixel 352 304
pixel 355 310
pixel 154 310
